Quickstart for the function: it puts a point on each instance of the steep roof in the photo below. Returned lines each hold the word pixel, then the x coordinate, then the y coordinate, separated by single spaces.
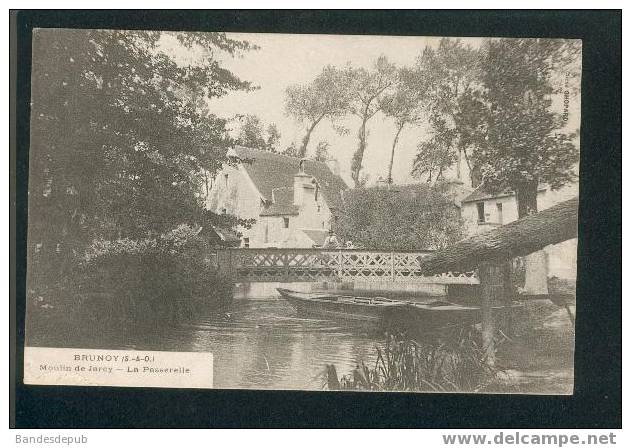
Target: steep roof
pixel 454 190
pixel 270 171
pixel 482 194
pixel 283 203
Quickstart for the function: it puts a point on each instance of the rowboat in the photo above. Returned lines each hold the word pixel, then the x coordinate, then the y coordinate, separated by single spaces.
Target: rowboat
pixel 434 313
pixel 374 310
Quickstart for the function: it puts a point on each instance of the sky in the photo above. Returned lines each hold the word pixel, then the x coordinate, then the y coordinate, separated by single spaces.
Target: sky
pixel 284 59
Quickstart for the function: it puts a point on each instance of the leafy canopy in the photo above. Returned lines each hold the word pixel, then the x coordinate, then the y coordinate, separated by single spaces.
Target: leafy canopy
pixel 520 138
pixel 121 138
pixel 399 218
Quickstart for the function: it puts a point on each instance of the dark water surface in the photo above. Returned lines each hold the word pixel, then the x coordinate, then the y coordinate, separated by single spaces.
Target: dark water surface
pixel 256 343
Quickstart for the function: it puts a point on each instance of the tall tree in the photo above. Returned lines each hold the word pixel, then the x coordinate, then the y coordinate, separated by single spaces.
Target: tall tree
pixel 119 136
pixel 326 97
pixel 322 151
pixel 406 105
pixel 273 137
pixel 451 73
pixel 368 88
pixel 251 132
pixel 521 138
pixel 432 159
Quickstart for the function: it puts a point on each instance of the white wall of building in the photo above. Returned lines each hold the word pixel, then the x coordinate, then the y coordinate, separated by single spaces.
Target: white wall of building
pixel 560 258
pixel 233 190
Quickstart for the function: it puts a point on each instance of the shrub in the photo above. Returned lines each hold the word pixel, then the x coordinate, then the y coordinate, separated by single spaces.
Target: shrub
pixel 399 218
pixel 453 363
pixel 175 265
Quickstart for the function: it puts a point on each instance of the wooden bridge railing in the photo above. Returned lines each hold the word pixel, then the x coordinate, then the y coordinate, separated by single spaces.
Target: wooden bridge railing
pixel 311 265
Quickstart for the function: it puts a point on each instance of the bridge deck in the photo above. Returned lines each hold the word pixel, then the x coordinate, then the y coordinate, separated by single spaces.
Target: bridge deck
pixel 312 265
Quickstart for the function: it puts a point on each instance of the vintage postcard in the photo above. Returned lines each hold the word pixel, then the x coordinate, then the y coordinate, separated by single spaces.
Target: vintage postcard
pixel 311 212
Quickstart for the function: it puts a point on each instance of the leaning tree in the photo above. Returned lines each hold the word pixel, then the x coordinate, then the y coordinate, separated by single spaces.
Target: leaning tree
pixel 369 89
pixel 406 105
pixel 326 97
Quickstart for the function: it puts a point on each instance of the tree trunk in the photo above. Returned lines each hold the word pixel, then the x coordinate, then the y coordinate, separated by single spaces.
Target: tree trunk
pixel 493 290
pixel 358 157
pixel 474 172
pixel 536 263
pixel 307 137
pixel 394 145
pixel 526 195
pixel 458 170
pixel 522 237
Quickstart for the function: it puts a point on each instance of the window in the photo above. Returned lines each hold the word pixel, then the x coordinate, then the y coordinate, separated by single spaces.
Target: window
pixel 225 177
pixel 318 208
pixel 246 242
pixel 286 222
pixel 499 213
pixel 480 206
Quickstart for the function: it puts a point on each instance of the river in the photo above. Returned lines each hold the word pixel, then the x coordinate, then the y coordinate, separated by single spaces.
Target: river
pixel 256 343
pixel 262 343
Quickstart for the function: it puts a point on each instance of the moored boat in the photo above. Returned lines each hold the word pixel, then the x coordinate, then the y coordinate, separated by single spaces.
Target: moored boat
pixel 441 313
pixel 366 309
pixel 429 314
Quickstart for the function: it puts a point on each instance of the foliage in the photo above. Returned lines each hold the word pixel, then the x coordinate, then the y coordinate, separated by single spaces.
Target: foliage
pixel 326 97
pixel 322 151
pixel 368 91
pixel 433 158
pixel 252 135
pixel 292 150
pixel 250 132
pixel 121 140
pixel 173 265
pixel 131 282
pixel 449 74
pixel 273 137
pixel 455 363
pixel 519 138
pixel 401 217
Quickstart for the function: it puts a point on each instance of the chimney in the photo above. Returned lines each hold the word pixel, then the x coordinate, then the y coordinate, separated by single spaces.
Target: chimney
pixel 334 166
pixel 302 182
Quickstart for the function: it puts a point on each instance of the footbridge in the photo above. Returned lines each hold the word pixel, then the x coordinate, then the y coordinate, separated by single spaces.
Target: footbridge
pixel 332 265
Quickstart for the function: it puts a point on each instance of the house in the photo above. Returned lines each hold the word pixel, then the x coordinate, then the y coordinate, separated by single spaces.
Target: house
pixel 292 201
pixel 483 210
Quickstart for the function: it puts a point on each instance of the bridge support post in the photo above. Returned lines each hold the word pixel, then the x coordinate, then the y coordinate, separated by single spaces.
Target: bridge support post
pixel 492 292
pixel 392 276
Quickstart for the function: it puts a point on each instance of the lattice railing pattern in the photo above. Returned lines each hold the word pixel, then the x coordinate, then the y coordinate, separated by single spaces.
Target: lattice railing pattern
pixel 305 265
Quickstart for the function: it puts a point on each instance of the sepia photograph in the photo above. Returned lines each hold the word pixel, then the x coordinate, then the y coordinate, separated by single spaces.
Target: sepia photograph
pixel 319 212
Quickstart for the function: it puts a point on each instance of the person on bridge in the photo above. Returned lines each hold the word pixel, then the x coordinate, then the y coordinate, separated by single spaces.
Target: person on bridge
pixel 331 241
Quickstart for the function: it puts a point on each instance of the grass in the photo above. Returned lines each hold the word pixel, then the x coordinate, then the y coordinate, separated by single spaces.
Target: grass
pixel 453 362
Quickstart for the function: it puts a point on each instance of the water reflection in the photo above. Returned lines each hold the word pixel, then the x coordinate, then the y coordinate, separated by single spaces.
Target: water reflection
pixel 256 343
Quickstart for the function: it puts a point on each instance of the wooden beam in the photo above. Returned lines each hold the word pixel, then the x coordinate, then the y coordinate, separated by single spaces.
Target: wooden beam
pixel 522 237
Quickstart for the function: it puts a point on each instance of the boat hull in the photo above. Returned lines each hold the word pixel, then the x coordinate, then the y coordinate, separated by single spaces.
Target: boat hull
pixel 390 314
pixel 333 307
